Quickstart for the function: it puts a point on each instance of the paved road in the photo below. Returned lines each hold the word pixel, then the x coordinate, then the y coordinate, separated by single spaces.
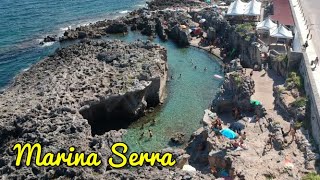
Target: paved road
pixel 311 11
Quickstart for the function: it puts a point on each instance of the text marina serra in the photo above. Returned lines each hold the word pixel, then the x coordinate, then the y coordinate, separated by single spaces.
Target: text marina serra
pixel 72 158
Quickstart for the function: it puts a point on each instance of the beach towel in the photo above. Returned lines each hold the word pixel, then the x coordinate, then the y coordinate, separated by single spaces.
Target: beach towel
pixel 255 102
pixel 228 133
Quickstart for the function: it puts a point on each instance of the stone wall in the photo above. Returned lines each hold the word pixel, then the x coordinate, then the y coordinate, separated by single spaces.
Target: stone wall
pixel 292 63
pixel 310 87
pixel 313 96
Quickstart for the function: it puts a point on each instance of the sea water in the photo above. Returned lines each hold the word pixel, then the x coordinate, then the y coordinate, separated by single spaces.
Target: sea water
pixel 25 22
pixel 188 97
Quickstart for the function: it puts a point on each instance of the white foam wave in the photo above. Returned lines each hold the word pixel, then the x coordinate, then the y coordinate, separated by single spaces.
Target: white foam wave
pixel 65 28
pixel 46 44
pixel 124 12
pixel 25 69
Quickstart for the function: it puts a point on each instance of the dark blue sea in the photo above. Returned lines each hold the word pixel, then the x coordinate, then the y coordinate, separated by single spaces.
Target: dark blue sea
pixel 23 23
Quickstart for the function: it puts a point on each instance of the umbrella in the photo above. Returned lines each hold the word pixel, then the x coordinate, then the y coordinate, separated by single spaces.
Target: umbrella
pixel 236 8
pixel 267 24
pixel 281 32
pixel 202 20
pixel 253 8
pixel 237 126
pixel 228 133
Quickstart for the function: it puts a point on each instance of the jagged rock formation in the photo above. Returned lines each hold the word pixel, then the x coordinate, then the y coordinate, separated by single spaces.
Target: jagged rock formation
pixel 211 153
pixel 287 102
pixel 78 92
pixel 236 91
pixel 162 4
pixel 165 23
pixel 240 43
pixel 95 30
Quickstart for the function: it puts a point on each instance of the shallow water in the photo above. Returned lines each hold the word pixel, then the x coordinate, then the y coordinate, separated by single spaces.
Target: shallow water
pixel 187 99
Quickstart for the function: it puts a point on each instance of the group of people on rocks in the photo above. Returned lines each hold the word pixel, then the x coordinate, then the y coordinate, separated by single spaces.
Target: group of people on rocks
pixel 292 131
pixel 241 136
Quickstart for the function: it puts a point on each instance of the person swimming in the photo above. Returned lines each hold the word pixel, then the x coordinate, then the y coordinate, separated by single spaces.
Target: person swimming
pixel 150 133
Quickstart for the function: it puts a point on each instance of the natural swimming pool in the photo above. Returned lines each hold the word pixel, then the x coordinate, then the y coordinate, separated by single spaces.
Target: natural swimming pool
pixel 187 97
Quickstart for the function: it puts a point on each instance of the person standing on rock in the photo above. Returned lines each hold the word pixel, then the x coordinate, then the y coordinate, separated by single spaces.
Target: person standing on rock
pixel 293 134
pixel 180 76
pixel 251 73
pixel 205 69
pixel 291 125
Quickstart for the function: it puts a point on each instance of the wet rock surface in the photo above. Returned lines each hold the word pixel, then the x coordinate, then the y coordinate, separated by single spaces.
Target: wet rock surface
pixel 178 138
pixel 165 23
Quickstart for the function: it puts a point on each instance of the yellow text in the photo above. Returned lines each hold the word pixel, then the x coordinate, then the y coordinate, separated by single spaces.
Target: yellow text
pixel 51 159
pixel 136 159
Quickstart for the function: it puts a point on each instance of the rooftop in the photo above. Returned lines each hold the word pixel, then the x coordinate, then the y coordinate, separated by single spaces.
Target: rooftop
pixel 282 12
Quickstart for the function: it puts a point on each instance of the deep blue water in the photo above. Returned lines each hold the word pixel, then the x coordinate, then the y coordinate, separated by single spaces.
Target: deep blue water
pixel 24 22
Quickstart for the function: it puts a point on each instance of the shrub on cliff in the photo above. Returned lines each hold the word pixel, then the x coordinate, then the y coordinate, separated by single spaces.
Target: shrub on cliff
pixel 294 81
pixel 245 28
pixel 300 102
pixel 281 58
pixel 311 176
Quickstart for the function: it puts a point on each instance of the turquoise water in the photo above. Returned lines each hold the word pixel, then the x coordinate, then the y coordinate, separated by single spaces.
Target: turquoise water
pixel 24 22
pixel 187 99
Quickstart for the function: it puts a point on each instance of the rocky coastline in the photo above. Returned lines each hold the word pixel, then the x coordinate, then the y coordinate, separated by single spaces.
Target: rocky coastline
pixel 75 95
pixel 66 98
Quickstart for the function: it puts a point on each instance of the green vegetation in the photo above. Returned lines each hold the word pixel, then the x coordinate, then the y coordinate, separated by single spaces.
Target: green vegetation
pixel 294 81
pixel 237 79
pixel 281 58
pixel 282 89
pixel 247 38
pixel 300 102
pixel 243 29
pixel 311 176
pixel 298 125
